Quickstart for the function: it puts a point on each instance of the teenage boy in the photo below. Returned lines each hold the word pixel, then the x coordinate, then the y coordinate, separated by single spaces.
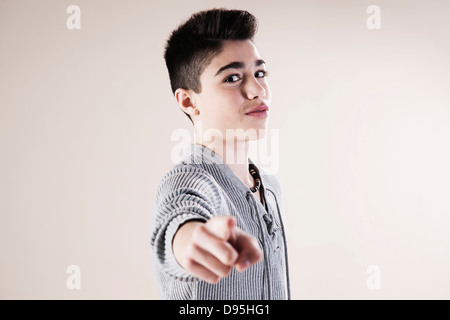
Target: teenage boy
pixel 217 223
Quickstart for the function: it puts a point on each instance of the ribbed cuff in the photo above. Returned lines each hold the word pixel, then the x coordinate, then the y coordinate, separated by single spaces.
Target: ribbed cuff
pixel 171 265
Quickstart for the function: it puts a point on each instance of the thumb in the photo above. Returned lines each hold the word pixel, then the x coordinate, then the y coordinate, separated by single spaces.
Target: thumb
pixel 222 227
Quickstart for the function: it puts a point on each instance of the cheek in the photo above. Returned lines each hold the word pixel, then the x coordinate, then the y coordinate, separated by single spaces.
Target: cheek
pixel 235 102
pixel 227 103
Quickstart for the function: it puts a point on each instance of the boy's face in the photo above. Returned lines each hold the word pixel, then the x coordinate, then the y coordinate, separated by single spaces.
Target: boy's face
pixel 232 85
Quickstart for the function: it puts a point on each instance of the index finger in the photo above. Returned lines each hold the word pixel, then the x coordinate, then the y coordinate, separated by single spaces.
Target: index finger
pixel 222 227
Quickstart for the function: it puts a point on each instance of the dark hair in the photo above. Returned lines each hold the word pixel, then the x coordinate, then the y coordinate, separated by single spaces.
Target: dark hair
pixel 191 47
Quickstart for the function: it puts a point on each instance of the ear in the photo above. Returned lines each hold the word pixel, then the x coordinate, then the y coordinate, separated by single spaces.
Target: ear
pixel 185 100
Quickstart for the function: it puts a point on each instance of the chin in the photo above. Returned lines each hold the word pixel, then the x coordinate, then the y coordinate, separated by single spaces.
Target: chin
pixel 261 133
pixel 248 134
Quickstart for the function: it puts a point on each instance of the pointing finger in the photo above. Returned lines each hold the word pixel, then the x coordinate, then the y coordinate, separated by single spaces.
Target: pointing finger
pixel 221 227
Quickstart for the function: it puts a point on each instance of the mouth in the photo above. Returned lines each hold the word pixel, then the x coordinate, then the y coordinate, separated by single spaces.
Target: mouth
pixel 258 114
pixel 261 109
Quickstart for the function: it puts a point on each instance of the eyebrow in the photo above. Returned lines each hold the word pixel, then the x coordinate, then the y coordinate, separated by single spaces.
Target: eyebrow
pixel 238 65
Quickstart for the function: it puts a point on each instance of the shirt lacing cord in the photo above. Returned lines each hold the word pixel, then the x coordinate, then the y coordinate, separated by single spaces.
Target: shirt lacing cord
pixel 285 246
pixel 266 266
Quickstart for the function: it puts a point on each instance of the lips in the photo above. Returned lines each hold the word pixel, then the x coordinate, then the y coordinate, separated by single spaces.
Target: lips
pixel 260 108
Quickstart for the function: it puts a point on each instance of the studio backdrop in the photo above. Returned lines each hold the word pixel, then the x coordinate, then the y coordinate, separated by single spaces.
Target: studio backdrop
pixel 359 136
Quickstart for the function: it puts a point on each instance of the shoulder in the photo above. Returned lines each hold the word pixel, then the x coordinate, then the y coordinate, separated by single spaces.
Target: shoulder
pixel 188 170
pixel 187 178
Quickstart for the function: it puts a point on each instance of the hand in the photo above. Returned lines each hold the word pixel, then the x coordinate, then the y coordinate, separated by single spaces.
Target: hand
pixel 210 250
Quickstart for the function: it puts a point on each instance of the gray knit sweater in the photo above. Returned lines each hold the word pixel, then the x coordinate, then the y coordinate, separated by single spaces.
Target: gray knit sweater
pixel 199 187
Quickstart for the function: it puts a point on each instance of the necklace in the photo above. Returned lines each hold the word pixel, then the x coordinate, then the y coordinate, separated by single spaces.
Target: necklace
pixel 256 177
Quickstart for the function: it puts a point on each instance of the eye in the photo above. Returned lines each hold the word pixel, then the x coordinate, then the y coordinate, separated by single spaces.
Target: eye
pixel 261 74
pixel 232 78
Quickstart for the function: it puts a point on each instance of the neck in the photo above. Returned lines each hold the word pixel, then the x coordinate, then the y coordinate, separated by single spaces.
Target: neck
pixel 234 154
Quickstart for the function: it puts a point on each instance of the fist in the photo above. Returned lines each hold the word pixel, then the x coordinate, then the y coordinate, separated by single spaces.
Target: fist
pixel 211 250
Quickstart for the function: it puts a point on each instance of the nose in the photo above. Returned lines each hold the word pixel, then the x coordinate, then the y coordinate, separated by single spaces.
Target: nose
pixel 254 89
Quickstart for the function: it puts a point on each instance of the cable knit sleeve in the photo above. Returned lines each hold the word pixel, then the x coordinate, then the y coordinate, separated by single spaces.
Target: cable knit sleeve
pixel 185 193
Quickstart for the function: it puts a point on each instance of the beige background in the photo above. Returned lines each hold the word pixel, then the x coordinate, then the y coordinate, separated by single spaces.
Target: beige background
pixel 86 118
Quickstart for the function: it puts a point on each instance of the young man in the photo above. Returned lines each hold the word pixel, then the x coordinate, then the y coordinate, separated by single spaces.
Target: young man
pixel 217 230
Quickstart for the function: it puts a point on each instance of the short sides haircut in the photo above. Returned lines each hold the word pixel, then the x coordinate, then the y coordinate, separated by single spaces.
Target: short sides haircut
pixel 191 47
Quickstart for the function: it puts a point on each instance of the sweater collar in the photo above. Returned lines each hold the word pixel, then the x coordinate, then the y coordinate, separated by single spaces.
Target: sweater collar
pixel 199 154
